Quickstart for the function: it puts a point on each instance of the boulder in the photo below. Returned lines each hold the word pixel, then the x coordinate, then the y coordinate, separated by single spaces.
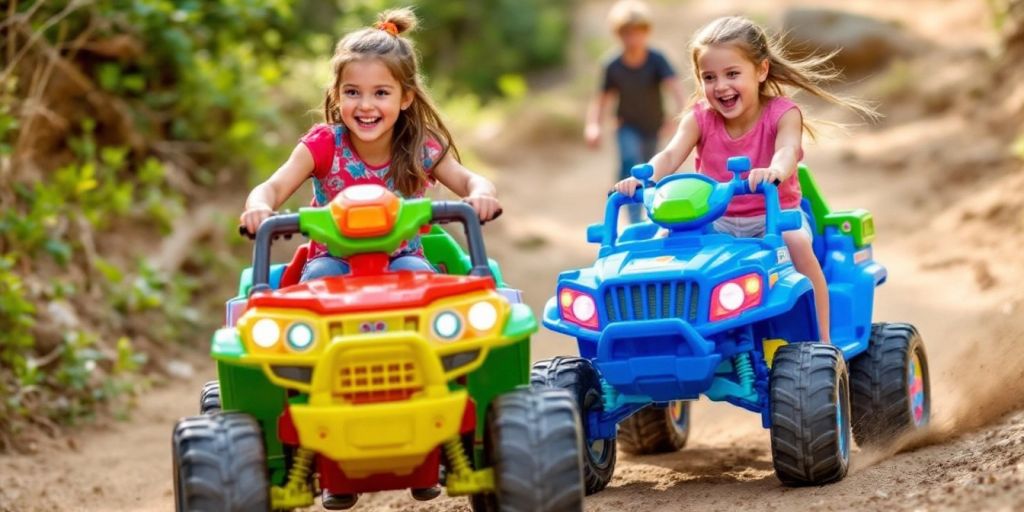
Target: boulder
pixel 865 44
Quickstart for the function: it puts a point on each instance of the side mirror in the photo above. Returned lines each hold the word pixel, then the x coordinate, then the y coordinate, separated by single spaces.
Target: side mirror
pixel 595 233
pixel 790 220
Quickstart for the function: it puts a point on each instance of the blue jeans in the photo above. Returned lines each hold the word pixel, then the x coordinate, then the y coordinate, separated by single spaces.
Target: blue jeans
pixel 326 266
pixel 634 148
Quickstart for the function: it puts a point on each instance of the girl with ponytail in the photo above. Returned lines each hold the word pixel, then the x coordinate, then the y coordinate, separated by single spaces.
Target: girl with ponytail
pixel 380 127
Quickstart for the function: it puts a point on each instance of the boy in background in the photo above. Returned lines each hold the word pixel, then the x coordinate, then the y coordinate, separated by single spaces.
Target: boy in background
pixel 635 77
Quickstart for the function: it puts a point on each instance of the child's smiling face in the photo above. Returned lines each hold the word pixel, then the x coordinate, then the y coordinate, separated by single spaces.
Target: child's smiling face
pixel 730 80
pixel 371 100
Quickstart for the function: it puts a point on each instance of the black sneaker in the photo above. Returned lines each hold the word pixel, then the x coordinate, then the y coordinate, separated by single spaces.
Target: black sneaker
pixel 332 501
pixel 426 493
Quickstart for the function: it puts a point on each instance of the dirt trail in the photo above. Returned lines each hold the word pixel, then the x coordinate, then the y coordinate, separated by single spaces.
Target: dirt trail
pixel 943 278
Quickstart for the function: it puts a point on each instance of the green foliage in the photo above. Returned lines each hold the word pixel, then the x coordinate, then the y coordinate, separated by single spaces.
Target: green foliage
pixel 16 320
pixel 475 46
pixel 152 79
pixel 171 100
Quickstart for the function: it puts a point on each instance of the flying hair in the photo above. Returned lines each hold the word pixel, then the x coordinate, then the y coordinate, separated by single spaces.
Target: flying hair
pixel 757 46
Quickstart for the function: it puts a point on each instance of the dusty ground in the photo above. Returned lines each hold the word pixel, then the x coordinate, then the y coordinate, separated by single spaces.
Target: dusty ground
pixel 950 221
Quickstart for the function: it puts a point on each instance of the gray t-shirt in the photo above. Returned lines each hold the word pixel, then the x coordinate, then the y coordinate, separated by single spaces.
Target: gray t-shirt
pixel 639 90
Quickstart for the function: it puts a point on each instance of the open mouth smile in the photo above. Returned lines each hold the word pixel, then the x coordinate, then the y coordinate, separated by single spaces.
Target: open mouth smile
pixel 729 101
pixel 368 122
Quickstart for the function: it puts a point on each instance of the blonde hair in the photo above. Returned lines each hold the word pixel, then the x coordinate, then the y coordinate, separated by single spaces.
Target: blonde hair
pixel 629 13
pixel 416 124
pixel 757 46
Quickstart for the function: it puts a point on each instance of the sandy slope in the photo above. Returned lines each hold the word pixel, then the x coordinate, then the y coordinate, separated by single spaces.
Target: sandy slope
pixel 950 241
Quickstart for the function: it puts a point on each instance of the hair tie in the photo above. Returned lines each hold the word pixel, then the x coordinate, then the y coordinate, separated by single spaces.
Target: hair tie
pixel 388 27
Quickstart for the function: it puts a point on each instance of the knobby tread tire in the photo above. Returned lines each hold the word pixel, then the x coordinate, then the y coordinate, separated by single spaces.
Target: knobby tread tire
pixel 209 398
pixel 219 464
pixel 534 444
pixel 879 384
pixel 806 380
pixel 651 430
pixel 579 377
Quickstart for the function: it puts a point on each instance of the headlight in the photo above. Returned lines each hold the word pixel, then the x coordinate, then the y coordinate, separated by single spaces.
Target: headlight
pixel 483 315
pixel 447 325
pixel 266 333
pixel 735 296
pixel 300 336
pixel 583 307
pixel 578 307
pixel 731 296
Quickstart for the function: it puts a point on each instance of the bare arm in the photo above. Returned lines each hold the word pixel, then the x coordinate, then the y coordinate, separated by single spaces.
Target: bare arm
pixel 668 160
pixel 595 112
pixel 787 151
pixel 476 190
pixel 269 195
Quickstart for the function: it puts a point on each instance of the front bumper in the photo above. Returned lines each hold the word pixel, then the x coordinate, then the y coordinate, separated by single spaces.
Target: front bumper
pixel 665 359
pixel 379 404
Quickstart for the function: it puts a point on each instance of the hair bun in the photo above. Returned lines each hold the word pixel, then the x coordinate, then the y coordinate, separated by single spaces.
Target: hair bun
pixel 400 20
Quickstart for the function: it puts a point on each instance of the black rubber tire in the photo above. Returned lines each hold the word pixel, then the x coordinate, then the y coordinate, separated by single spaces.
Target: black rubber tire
pixel 209 398
pixel 652 430
pixel 533 443
pixel 810 439
pixel 579 377
pixel 879 384
pixel 219 464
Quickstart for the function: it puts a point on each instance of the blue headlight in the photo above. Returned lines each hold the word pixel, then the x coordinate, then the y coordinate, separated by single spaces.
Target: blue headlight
pixel 300 336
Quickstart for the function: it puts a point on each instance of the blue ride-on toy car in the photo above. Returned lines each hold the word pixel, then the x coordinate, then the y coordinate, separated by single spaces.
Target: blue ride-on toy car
pixel 672 310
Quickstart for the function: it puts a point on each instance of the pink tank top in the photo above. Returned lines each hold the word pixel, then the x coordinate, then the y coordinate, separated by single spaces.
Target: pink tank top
pixel 716 146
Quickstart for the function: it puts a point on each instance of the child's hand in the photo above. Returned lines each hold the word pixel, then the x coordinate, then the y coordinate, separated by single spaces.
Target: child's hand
pixel 486 205
pixel 627 187
pixel 592 134
pixel 254 216
pixel 764 175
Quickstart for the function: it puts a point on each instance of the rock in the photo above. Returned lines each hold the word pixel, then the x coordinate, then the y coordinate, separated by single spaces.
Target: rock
pixel 865 44
pixel 180 369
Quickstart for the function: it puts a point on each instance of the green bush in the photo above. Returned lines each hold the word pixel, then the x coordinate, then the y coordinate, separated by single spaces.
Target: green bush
pixel 468 47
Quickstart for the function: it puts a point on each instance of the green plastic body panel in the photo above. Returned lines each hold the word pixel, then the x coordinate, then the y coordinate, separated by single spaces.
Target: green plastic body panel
pixel 857 223
pixel 505 369
pixel 809 189
pixel 247 389
pixel 318 224
pixel 681 201
pixel 444 253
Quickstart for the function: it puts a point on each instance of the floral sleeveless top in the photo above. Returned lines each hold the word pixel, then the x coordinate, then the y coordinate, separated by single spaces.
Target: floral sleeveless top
pixel 336 165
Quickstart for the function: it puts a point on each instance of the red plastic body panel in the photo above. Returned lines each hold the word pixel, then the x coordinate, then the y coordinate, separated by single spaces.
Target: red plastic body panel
pixel 348 294
pixel 293 271
pixel 334 479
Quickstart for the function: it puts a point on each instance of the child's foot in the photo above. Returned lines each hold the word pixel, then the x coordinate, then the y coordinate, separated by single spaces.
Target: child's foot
pixel 426 493
pixel 332 501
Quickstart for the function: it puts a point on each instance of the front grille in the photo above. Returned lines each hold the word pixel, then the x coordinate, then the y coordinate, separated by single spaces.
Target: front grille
pixel 394 380
pixel 652 301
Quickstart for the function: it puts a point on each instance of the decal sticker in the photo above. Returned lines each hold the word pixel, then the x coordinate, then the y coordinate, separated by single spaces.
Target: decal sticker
pixel 378 326
pixel 782 254
pixel 862 255
pixel 652 262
